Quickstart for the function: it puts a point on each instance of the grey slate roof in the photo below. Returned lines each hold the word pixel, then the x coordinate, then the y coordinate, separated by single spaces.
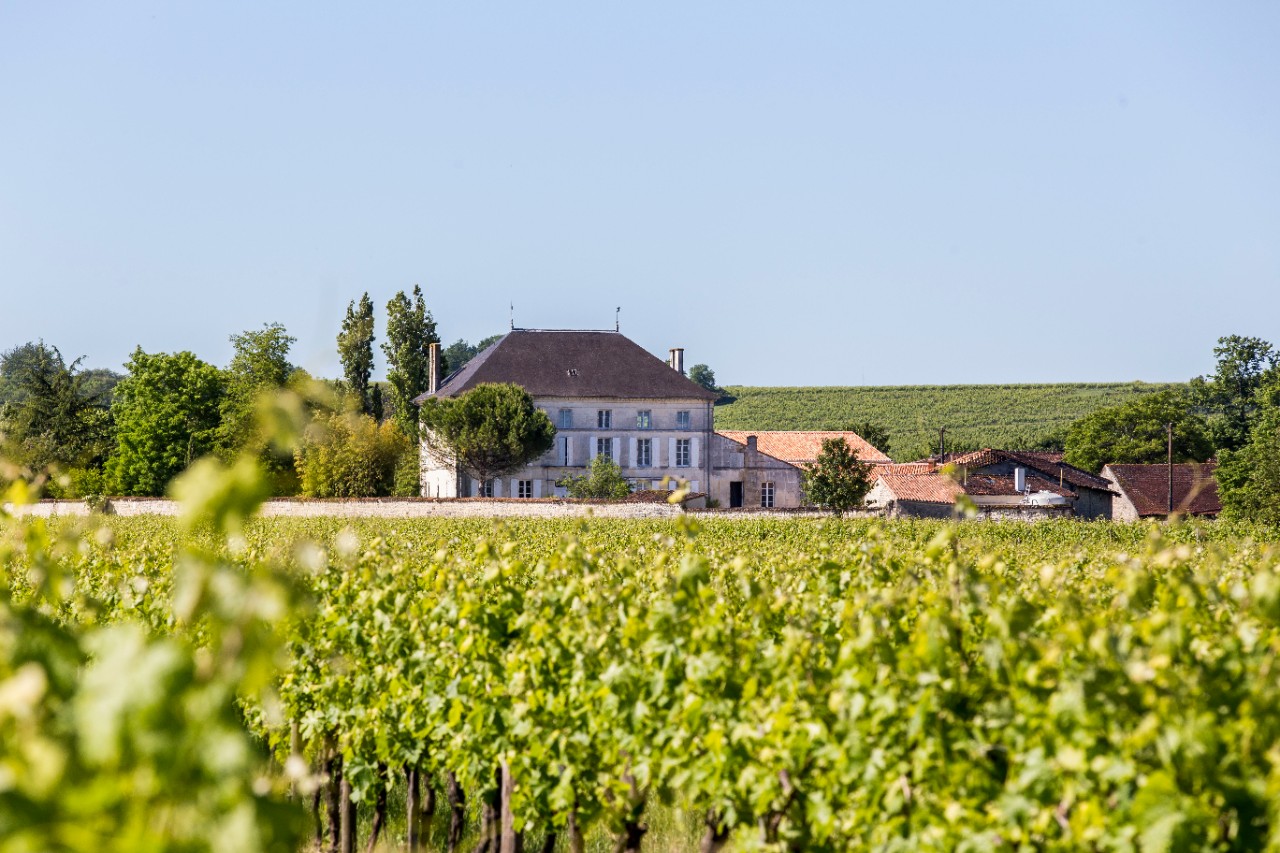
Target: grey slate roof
pixel 573 364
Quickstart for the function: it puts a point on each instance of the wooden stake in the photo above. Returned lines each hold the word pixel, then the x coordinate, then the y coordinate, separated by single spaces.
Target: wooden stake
pixel 509 841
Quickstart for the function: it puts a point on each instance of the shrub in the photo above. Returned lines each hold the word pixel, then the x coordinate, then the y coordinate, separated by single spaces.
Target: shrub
pixel 348 455
pixel 604 481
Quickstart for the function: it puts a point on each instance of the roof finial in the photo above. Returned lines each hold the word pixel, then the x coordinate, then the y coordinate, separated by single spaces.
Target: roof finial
pixel 617 319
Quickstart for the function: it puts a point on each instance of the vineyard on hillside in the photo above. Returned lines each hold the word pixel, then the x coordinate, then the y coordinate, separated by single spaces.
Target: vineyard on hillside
pixel 753 684
pixel 1010 416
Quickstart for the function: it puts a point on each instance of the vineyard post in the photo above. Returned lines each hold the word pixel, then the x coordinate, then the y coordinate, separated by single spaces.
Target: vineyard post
pixel 1169 429
pixel 509 841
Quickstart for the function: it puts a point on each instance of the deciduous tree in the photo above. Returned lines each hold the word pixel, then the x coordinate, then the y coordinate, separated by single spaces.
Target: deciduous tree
pixel 491 430
pixel 874 434
pixel 1135 433
pixel 1244 366
pixel 166 412
pixel 56 420
pixel 355 350
pixel 458 353
pixel 259 366
pixel 837 480
pixel 1249 478
pixel 706 377
pixel 410 330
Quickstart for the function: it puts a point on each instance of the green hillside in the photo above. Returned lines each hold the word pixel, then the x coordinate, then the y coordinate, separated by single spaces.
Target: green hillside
pixel 1011 416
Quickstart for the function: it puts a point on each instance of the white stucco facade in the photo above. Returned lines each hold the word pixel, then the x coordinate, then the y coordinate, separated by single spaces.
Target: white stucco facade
pixel 648 439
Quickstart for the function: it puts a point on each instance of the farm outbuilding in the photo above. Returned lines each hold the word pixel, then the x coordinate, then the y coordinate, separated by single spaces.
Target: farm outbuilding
pixel 1143 491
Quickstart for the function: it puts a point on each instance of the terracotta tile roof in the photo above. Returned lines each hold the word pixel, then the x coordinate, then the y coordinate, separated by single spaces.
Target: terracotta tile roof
pixel 974 458
pixel 903 468
pixel 935 487
pixel 1047 464
pixel 1195 489
pixel 1002 484
pixel 574 364
pixel 801 447
pixel 1048 457
pixel 925 481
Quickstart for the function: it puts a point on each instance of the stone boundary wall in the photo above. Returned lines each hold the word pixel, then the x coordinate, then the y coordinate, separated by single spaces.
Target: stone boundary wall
pixel 1023 513
pixel 493 508
pixel 374 508
pixel 747 513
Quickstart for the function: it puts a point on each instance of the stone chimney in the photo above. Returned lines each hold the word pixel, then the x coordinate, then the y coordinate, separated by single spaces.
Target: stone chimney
pixel 677 360
pixel 752 443
pixel 433 368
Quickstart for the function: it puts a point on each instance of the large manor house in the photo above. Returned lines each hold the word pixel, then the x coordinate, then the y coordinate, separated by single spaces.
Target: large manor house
pixel 608 396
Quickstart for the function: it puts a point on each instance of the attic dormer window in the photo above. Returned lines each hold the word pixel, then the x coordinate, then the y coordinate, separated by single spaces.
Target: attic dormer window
pixel 572 371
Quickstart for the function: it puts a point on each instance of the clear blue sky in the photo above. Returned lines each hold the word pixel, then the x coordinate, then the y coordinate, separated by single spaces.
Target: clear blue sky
pixel 815 193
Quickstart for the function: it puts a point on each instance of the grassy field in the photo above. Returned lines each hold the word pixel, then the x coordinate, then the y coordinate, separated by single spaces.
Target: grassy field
pixel 1011 416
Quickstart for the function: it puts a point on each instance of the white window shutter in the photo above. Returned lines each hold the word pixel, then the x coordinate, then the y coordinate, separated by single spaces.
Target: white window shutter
pixel 537 488
pixel 497 487
pixel 693 486
pixel 515 488
pixel 671 453
pixel 591 448
pixel 631 452
pixel 615 450
pixel 568 450
pixel 693 452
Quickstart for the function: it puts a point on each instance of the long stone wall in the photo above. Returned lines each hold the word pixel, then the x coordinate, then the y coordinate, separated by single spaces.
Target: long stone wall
pixel 489 508
pixel 375 508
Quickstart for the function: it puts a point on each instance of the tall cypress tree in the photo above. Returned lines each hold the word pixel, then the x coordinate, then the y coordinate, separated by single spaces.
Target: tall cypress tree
pixel 355 348
pixel 410 329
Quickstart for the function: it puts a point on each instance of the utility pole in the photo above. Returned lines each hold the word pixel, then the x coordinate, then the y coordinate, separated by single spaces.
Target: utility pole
pixel 1169 431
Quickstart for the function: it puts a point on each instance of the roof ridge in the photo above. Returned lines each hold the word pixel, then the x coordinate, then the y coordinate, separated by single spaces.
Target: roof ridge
pixel 575 364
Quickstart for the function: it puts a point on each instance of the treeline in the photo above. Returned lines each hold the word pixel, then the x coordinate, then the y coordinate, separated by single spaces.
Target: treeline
pixel 78 433
pixel 1231 415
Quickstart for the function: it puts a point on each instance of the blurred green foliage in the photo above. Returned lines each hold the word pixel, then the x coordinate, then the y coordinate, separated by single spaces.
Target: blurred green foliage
pixel 803 685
